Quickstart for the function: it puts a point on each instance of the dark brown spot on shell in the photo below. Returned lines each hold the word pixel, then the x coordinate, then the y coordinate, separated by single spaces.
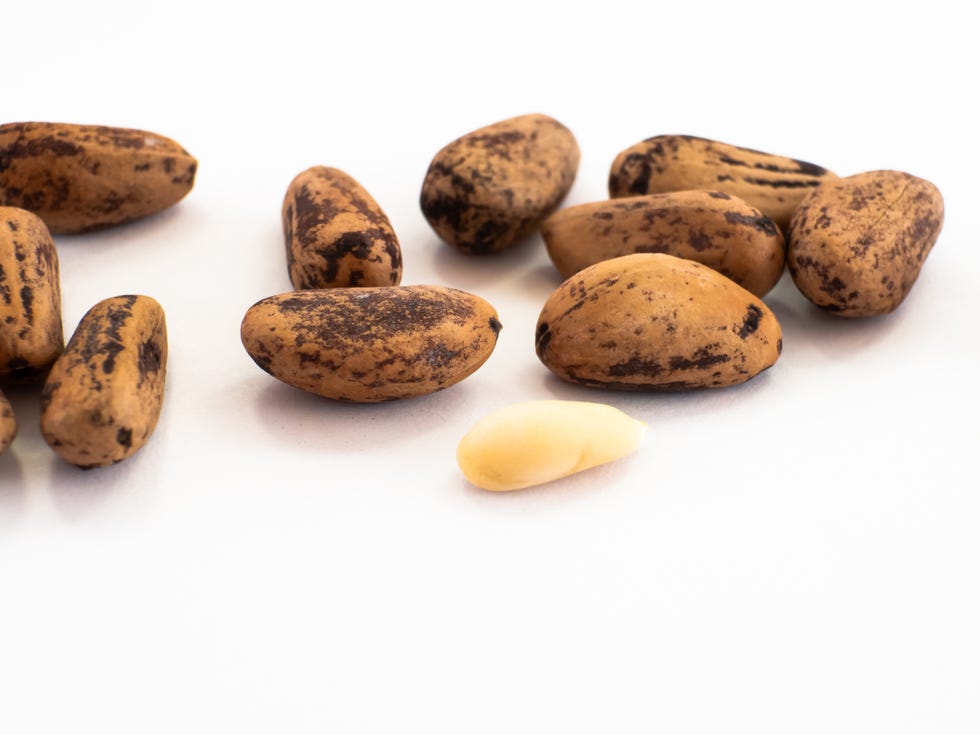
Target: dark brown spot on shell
pixel 635 366
pixel 761 223
pixel 701 360
pixel 751 322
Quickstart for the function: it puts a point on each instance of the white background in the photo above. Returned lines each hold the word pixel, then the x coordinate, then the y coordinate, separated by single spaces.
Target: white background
pixel 795 555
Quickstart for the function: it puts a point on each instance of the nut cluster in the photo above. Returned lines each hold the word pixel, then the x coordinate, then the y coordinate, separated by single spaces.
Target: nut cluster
pixel 664 285
pixel 103 392
pixel 664 290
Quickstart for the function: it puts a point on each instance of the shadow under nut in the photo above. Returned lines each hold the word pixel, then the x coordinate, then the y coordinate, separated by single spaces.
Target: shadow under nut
pixel 491 188
pixel 716 229
pixel 31 335
pixel 103 397
pixel 8 423
pixel 857 245
pixel 770 183
pixel 79 178
pixel 654 322
pixel 336 233
pixel 367 345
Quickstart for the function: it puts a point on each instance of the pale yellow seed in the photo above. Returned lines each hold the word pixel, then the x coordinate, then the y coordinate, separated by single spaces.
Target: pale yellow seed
pixel 539 441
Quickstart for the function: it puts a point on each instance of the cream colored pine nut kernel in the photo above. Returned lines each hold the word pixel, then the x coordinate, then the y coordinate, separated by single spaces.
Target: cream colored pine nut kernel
pixel 539 441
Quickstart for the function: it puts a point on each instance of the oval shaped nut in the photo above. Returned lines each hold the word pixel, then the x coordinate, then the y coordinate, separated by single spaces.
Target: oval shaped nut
pixel 336 234
pixel 539 441
pixel 371 344
pixel 492 187
pixel 654 322
pixel 8 424
pixel 31 336
pixel 85 177
pixel 716 229
pixel 102 398
pixel 856 245
pixel 772 184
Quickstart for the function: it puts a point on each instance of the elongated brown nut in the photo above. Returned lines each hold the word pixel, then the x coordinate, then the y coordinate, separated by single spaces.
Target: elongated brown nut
pixel 8 424
pixel 772 184
pixel 31 336
pixel 336 234
pixel 86 177
pixel 368 345
pixel 716 229
pixel 103 396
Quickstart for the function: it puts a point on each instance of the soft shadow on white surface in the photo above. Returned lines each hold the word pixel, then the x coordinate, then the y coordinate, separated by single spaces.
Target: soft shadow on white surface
pixel 30 466
pixel 543 280
pixel 78 493
pixel 28 447
pixel 131 233
pixel 13 491
pixel 303 420
pixel 269 258
pixel 831 335
pixel 473 272
pixel 613 477
pixel 650 407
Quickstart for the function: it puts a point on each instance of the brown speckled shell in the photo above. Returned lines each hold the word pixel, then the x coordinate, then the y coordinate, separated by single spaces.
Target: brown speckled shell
pixel 654 322
pixel 102 398
pixel 856 245
pixel 371 344
pixel 492 187
pixel 31 336
pixel 772 184
pixel 336 234
pixel 85 177
pixel 8 424
pixel 716 229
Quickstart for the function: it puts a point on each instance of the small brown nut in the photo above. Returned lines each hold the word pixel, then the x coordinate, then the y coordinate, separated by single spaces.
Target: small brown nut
pixel 856 245
pixel 716 229
pixel 8 424
pixel 371 344
pixel 336 234
pixel 491 188
pixel 102 398
pixel 31 336
pixel 85 177
pixel 654 322
pixel 772 184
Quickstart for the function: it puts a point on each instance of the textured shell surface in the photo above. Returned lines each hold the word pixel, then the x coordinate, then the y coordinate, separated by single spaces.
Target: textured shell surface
pixel 491 188
pixel 103 397
pixel 716 229
pixel 771 183
pixel 79 178
pixel 371 344
pixel 655 322
pixel 31 334
pixel 857 245
pixel 336 233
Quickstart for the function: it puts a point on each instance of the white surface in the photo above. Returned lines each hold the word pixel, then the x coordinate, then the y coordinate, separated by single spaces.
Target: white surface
pixel 796 555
